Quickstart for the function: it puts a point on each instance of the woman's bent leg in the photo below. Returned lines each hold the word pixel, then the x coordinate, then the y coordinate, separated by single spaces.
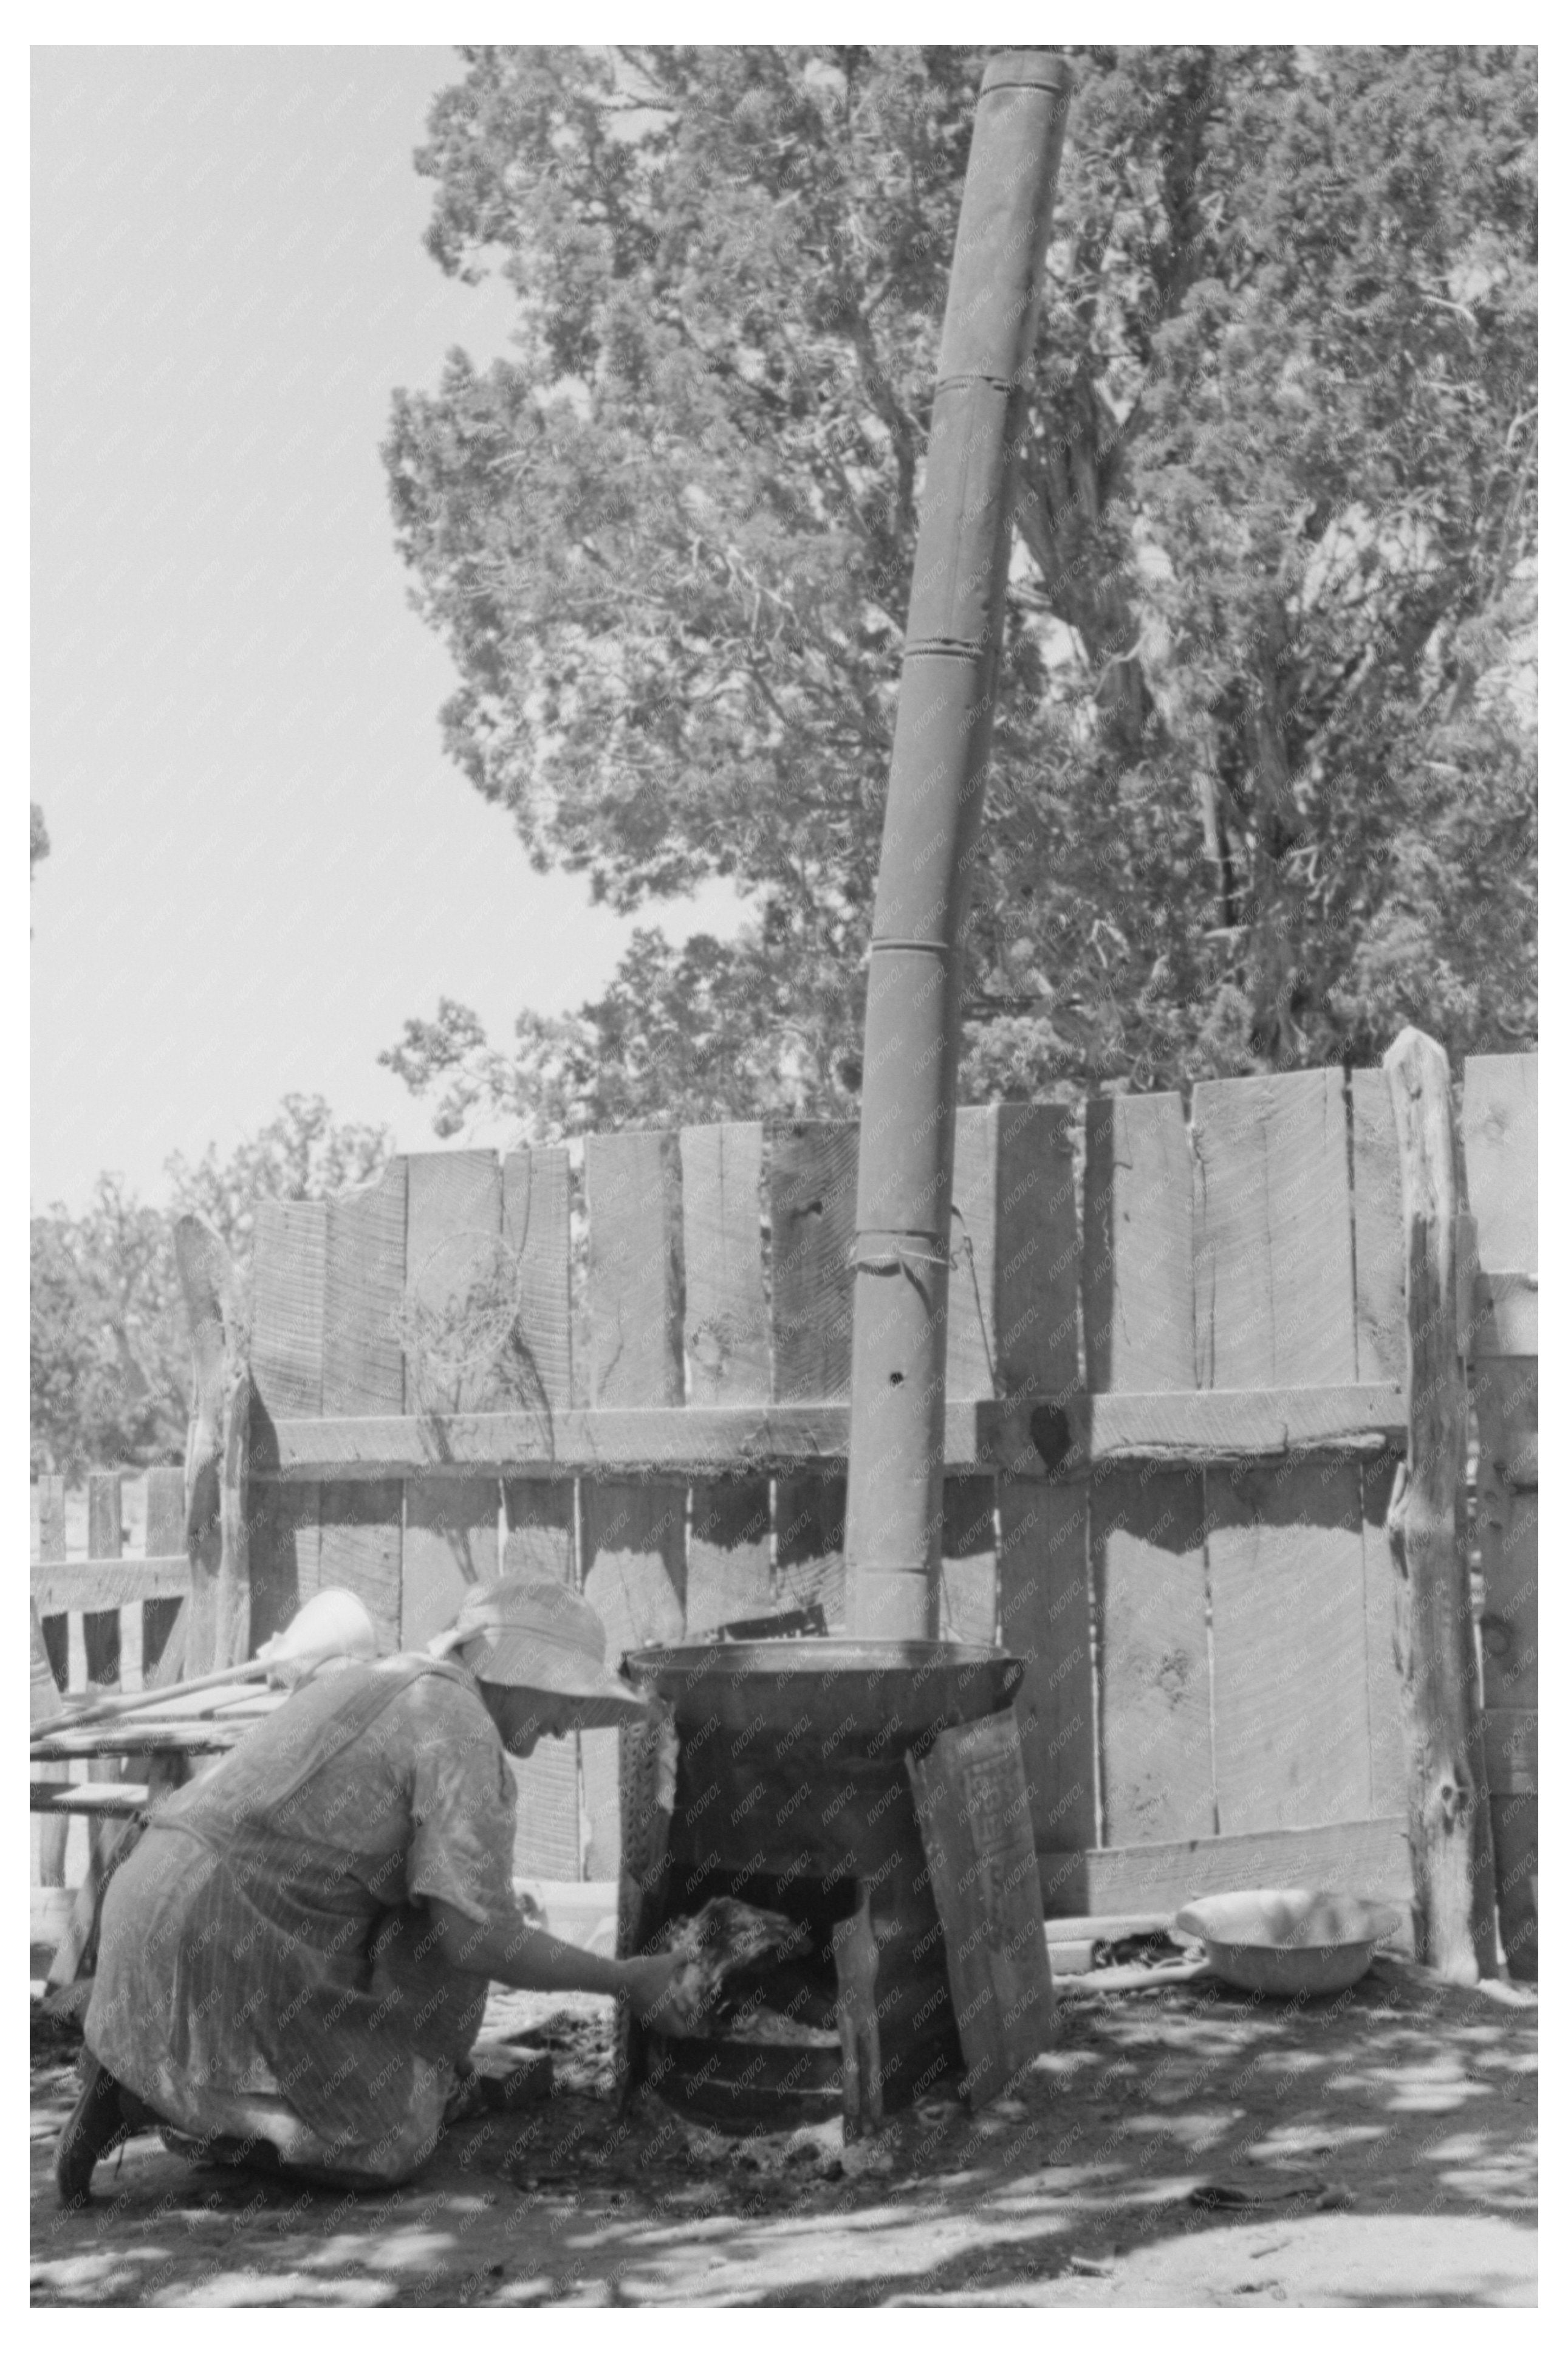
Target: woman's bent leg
pixel 260 2130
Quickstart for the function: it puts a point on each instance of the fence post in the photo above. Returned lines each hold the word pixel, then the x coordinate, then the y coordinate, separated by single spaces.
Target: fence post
pixel 216 1455
pixel 1450 1832
pixel 53 1831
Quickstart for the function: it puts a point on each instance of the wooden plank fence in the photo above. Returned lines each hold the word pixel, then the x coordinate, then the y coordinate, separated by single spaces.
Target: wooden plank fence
pixel 107 1615
pixel 1174 1409
pixel 1499 1134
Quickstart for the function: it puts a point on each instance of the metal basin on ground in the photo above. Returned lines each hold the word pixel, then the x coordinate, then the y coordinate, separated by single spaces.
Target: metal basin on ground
pixel 1290 1940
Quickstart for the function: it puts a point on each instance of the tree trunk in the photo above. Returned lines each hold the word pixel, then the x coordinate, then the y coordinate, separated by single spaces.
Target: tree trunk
pixel 1450 1832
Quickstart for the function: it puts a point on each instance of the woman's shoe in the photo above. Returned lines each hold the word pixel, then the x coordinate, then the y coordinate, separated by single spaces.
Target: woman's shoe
pixel 97 2124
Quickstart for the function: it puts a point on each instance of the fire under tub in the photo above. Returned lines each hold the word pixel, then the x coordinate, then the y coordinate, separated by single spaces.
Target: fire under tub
pixel 785 1782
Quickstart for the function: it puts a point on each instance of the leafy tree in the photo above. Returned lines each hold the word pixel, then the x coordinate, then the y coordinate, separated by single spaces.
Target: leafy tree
pixel 693 1033
pixel 110 1360
pixel 1263 784
pixel 302 1155
pixel 111 1350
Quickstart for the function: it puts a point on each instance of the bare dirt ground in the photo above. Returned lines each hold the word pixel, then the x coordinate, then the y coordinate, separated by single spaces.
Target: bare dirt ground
pixel 1184 2148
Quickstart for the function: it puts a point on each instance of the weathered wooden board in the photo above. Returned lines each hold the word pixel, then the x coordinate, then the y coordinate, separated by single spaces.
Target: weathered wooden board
pixel 1516 1848
pixel 968 1596
pixel 1286 1585
pixel 730 1564
pixel 539 1542
pixel 1043 1569
pixel 1043 1618
pixel 450 1541
pixel 1138 1245
pixel 361 1357
pixel 1012 1318
pixel 808 1516
pixel 1507 1517
pixel 1038 1256
pixel 119 1801
pixel 1012 1305
pixel 104 1585
pixel 1507 1402
pixel 1379 1226
pixel 285 1553
pixel 49 1839
pixel 971 1332
pixel 164 1540
pixel 634 1532
pixel 1500 1132
pixel 454 1272
pixel 1376 1204
pixel 536 1229
pixel 729 1572
pixel 541 1514
pixel 648 1754
pixel 206 1738
pixel 811 1177
pixel 726 1303
pixel 971 1801
pixel 288 1307
pixel 1026 1440
pixel 454 1277
pixel 635 1268
pixel 52 1548
pixel 1501 1145
pixel 1154 1703
pixel 1275 1303
pixel 1385 1727
pixel 634 1550
pixel 362 1373
pixel 362 1549
pixel 43 1692
pixel 1223 1425
pixel 812 1170
pixel 1147 1524
pixel 541 1519
pixel 101 1628
pixel 1505 1319
pixel 1499 1125
pixel 1512 1739
pixel 1359 1858
pixel 1275 1306
pixel 289 1318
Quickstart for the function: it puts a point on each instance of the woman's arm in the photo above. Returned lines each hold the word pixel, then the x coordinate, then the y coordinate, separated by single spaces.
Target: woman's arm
pixel 514 1954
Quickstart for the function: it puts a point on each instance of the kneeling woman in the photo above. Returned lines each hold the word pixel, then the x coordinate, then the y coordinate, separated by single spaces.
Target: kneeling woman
pixel 294 1960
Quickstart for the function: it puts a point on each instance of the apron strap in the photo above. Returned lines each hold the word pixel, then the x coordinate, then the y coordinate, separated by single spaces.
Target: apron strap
pixel 354 1717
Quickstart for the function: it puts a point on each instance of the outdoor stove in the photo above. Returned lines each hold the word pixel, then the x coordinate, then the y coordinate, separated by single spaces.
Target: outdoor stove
pixel 785 1783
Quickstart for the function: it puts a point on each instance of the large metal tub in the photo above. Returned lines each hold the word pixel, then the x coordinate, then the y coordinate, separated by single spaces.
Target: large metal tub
pixel 850 1689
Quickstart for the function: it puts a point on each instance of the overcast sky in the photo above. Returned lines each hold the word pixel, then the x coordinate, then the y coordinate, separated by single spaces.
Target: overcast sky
pixel 261 862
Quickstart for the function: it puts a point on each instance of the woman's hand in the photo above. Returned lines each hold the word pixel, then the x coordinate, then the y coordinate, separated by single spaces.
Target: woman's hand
pixel 650 1986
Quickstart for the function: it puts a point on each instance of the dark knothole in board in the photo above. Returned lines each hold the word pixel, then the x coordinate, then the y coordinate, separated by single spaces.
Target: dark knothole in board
pixel 1050 1434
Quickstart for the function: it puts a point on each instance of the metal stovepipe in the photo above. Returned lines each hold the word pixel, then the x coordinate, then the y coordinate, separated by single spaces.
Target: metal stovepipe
pixel 935 795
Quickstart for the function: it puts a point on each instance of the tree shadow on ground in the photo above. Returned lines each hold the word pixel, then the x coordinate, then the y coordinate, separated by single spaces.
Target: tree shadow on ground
pixel 1187 2147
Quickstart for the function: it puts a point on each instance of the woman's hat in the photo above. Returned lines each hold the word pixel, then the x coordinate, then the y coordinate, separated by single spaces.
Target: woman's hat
pixel 530 1634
